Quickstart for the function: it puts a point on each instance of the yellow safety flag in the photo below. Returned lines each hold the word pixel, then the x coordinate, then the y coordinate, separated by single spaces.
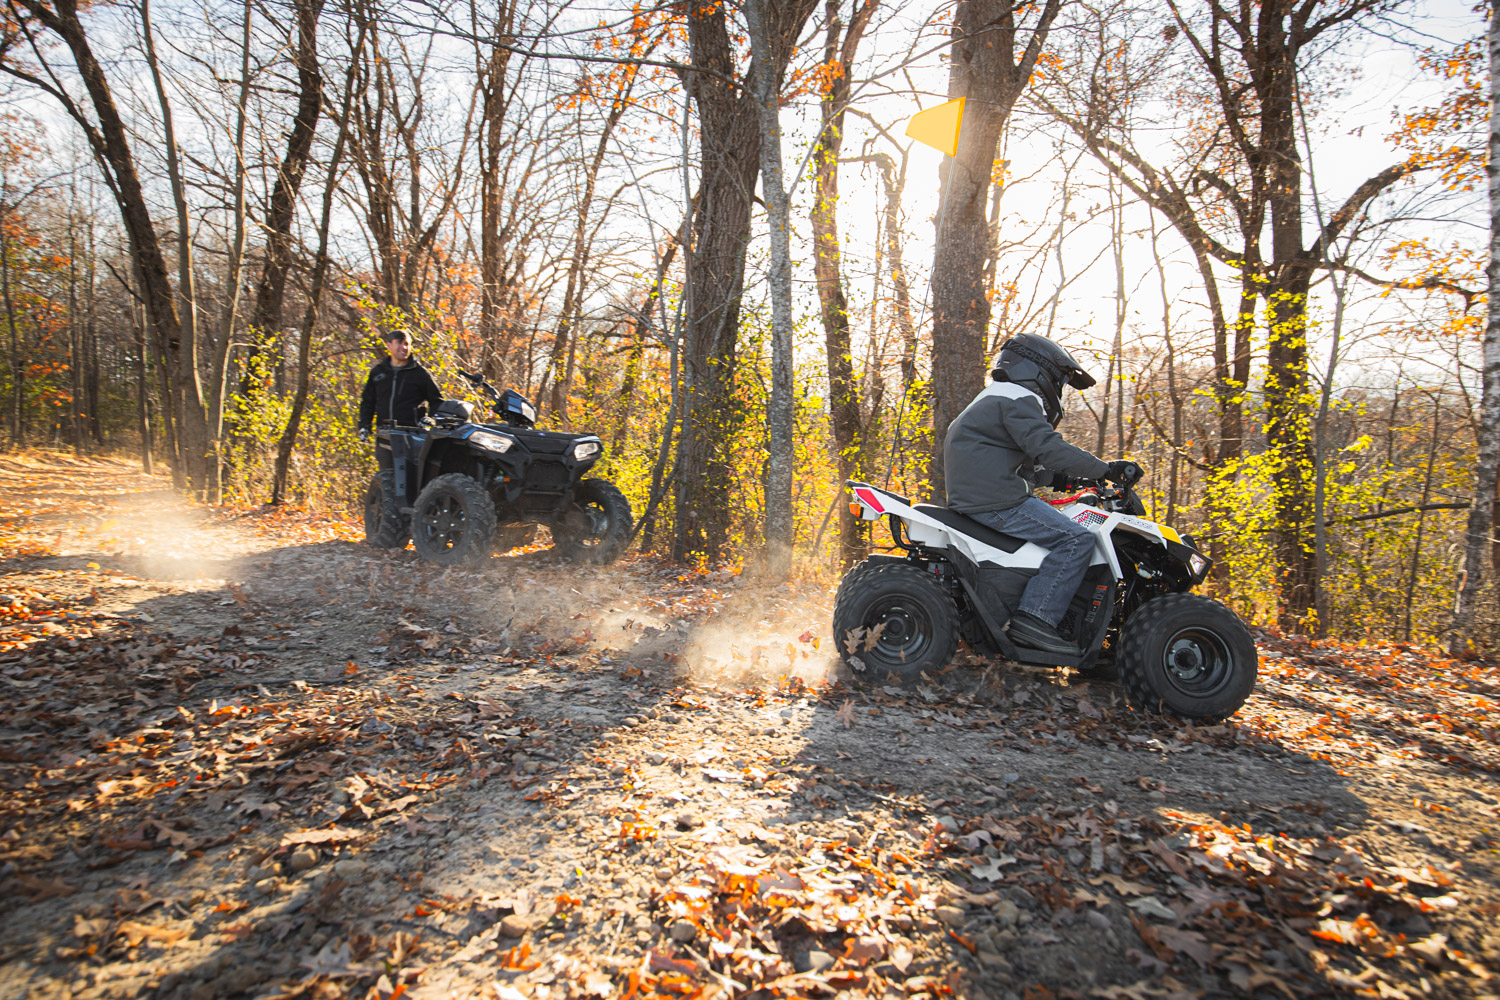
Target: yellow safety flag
pixel 938 127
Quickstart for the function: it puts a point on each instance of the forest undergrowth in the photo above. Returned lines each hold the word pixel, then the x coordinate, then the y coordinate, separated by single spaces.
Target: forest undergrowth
pixel 244 756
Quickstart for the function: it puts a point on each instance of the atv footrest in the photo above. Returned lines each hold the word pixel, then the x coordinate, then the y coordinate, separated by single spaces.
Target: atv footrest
pixel 1038 658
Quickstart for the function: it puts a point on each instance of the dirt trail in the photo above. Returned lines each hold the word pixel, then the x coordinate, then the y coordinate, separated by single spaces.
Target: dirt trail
pixel 242 755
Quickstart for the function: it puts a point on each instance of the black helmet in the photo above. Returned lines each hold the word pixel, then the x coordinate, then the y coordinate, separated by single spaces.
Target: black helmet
pixel 1040 365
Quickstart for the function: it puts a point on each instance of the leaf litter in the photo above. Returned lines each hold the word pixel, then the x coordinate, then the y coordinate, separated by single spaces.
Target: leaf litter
pixel 277 764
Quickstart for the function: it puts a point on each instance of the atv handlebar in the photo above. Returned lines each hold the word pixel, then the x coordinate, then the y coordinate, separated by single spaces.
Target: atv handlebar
pixel 478 381
pixel 1119 497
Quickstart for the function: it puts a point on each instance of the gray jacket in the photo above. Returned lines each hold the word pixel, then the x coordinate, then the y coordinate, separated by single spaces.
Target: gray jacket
pixel 997 443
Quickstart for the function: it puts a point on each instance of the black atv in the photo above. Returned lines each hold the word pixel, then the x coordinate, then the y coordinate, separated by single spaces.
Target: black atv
pixel 461 490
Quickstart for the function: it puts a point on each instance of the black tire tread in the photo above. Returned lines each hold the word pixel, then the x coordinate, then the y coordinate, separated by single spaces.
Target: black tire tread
pixel 621 520
pixel 392 531
pixel 875 571
pixel 476 544
pixel 1144 623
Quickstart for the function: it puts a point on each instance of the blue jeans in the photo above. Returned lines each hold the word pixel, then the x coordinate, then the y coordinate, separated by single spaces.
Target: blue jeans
pixel 1070 548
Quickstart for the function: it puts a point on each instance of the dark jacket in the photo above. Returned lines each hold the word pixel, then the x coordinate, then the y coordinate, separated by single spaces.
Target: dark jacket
pixel 996 445
pixel 392 394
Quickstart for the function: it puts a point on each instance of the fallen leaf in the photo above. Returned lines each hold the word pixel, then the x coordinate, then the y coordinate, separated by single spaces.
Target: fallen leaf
pixel 1190 943
pixel 36 888
pixel 237 932
pixel 991 871
pixel 863 950
pixel 334 961
pixel 164 937
pixel 330 836
pixel 1123 886
pixel 1152 907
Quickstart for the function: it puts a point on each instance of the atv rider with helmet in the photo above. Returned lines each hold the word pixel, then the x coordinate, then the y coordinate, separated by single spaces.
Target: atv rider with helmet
pixel 1006 442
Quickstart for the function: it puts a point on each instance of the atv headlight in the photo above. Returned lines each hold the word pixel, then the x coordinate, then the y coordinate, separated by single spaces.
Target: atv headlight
pixel 490 441
pixel 1198 565
pixel 585 450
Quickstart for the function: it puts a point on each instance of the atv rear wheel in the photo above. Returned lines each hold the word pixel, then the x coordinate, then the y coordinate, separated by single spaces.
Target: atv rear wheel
pixel 890 618
pixel 596 528
pixel 385 527
pixel 453 522
pixel 1188 655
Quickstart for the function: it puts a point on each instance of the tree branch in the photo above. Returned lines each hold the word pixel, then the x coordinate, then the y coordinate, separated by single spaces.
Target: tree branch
pixel 1355 204
pixel 1432 283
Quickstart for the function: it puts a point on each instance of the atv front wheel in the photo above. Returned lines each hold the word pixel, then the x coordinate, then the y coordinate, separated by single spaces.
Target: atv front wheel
pixel 453 522
pixel 385 528
pixel 890 618
pixel 596 527
pixel 1188 655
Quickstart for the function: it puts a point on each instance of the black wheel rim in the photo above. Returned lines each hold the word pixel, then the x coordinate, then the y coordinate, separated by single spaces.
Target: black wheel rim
pixel 904 627
pixel 443 522
pixel 1197 661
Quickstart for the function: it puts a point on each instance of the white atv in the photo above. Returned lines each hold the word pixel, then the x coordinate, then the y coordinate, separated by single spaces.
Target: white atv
pixel 897 617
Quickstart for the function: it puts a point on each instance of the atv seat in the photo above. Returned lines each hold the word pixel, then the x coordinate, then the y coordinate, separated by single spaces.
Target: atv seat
pixel 971 527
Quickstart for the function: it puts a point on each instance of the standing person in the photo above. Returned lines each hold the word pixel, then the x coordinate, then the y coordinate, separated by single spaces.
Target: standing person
pixel 1005 441
pixel 395 386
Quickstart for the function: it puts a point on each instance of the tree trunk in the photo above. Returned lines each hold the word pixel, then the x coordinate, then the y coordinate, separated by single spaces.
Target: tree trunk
pixel 91 341
pixel 1416 546
pixel 1288 404
pixel 567 321
pixel 492 141
pixel 843 389
pixel 270 290
pixel 111 147
pixel 730 157
pixel 143 393
pixel 1480 530
pixel 219 367
pixel 986 68
pixel 75 351
pixel 288 438
pixel 780 527
pixel 198 449
pixel 730 162
pixel 17 365
pixel 895 185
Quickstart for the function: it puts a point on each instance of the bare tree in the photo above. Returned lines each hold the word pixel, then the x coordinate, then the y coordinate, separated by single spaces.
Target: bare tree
pixel 110 142
pixel 270 289
pixel 843 389
pixel 408 189
pixel 990 67
pixel 730 163
pixel 1481 524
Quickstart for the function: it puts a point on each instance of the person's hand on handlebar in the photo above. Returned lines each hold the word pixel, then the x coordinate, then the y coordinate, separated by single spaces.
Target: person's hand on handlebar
pixel 1124 473
pixel 1053 480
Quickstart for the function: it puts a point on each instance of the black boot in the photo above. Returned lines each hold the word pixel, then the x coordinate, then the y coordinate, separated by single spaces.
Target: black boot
pixel 1033 633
